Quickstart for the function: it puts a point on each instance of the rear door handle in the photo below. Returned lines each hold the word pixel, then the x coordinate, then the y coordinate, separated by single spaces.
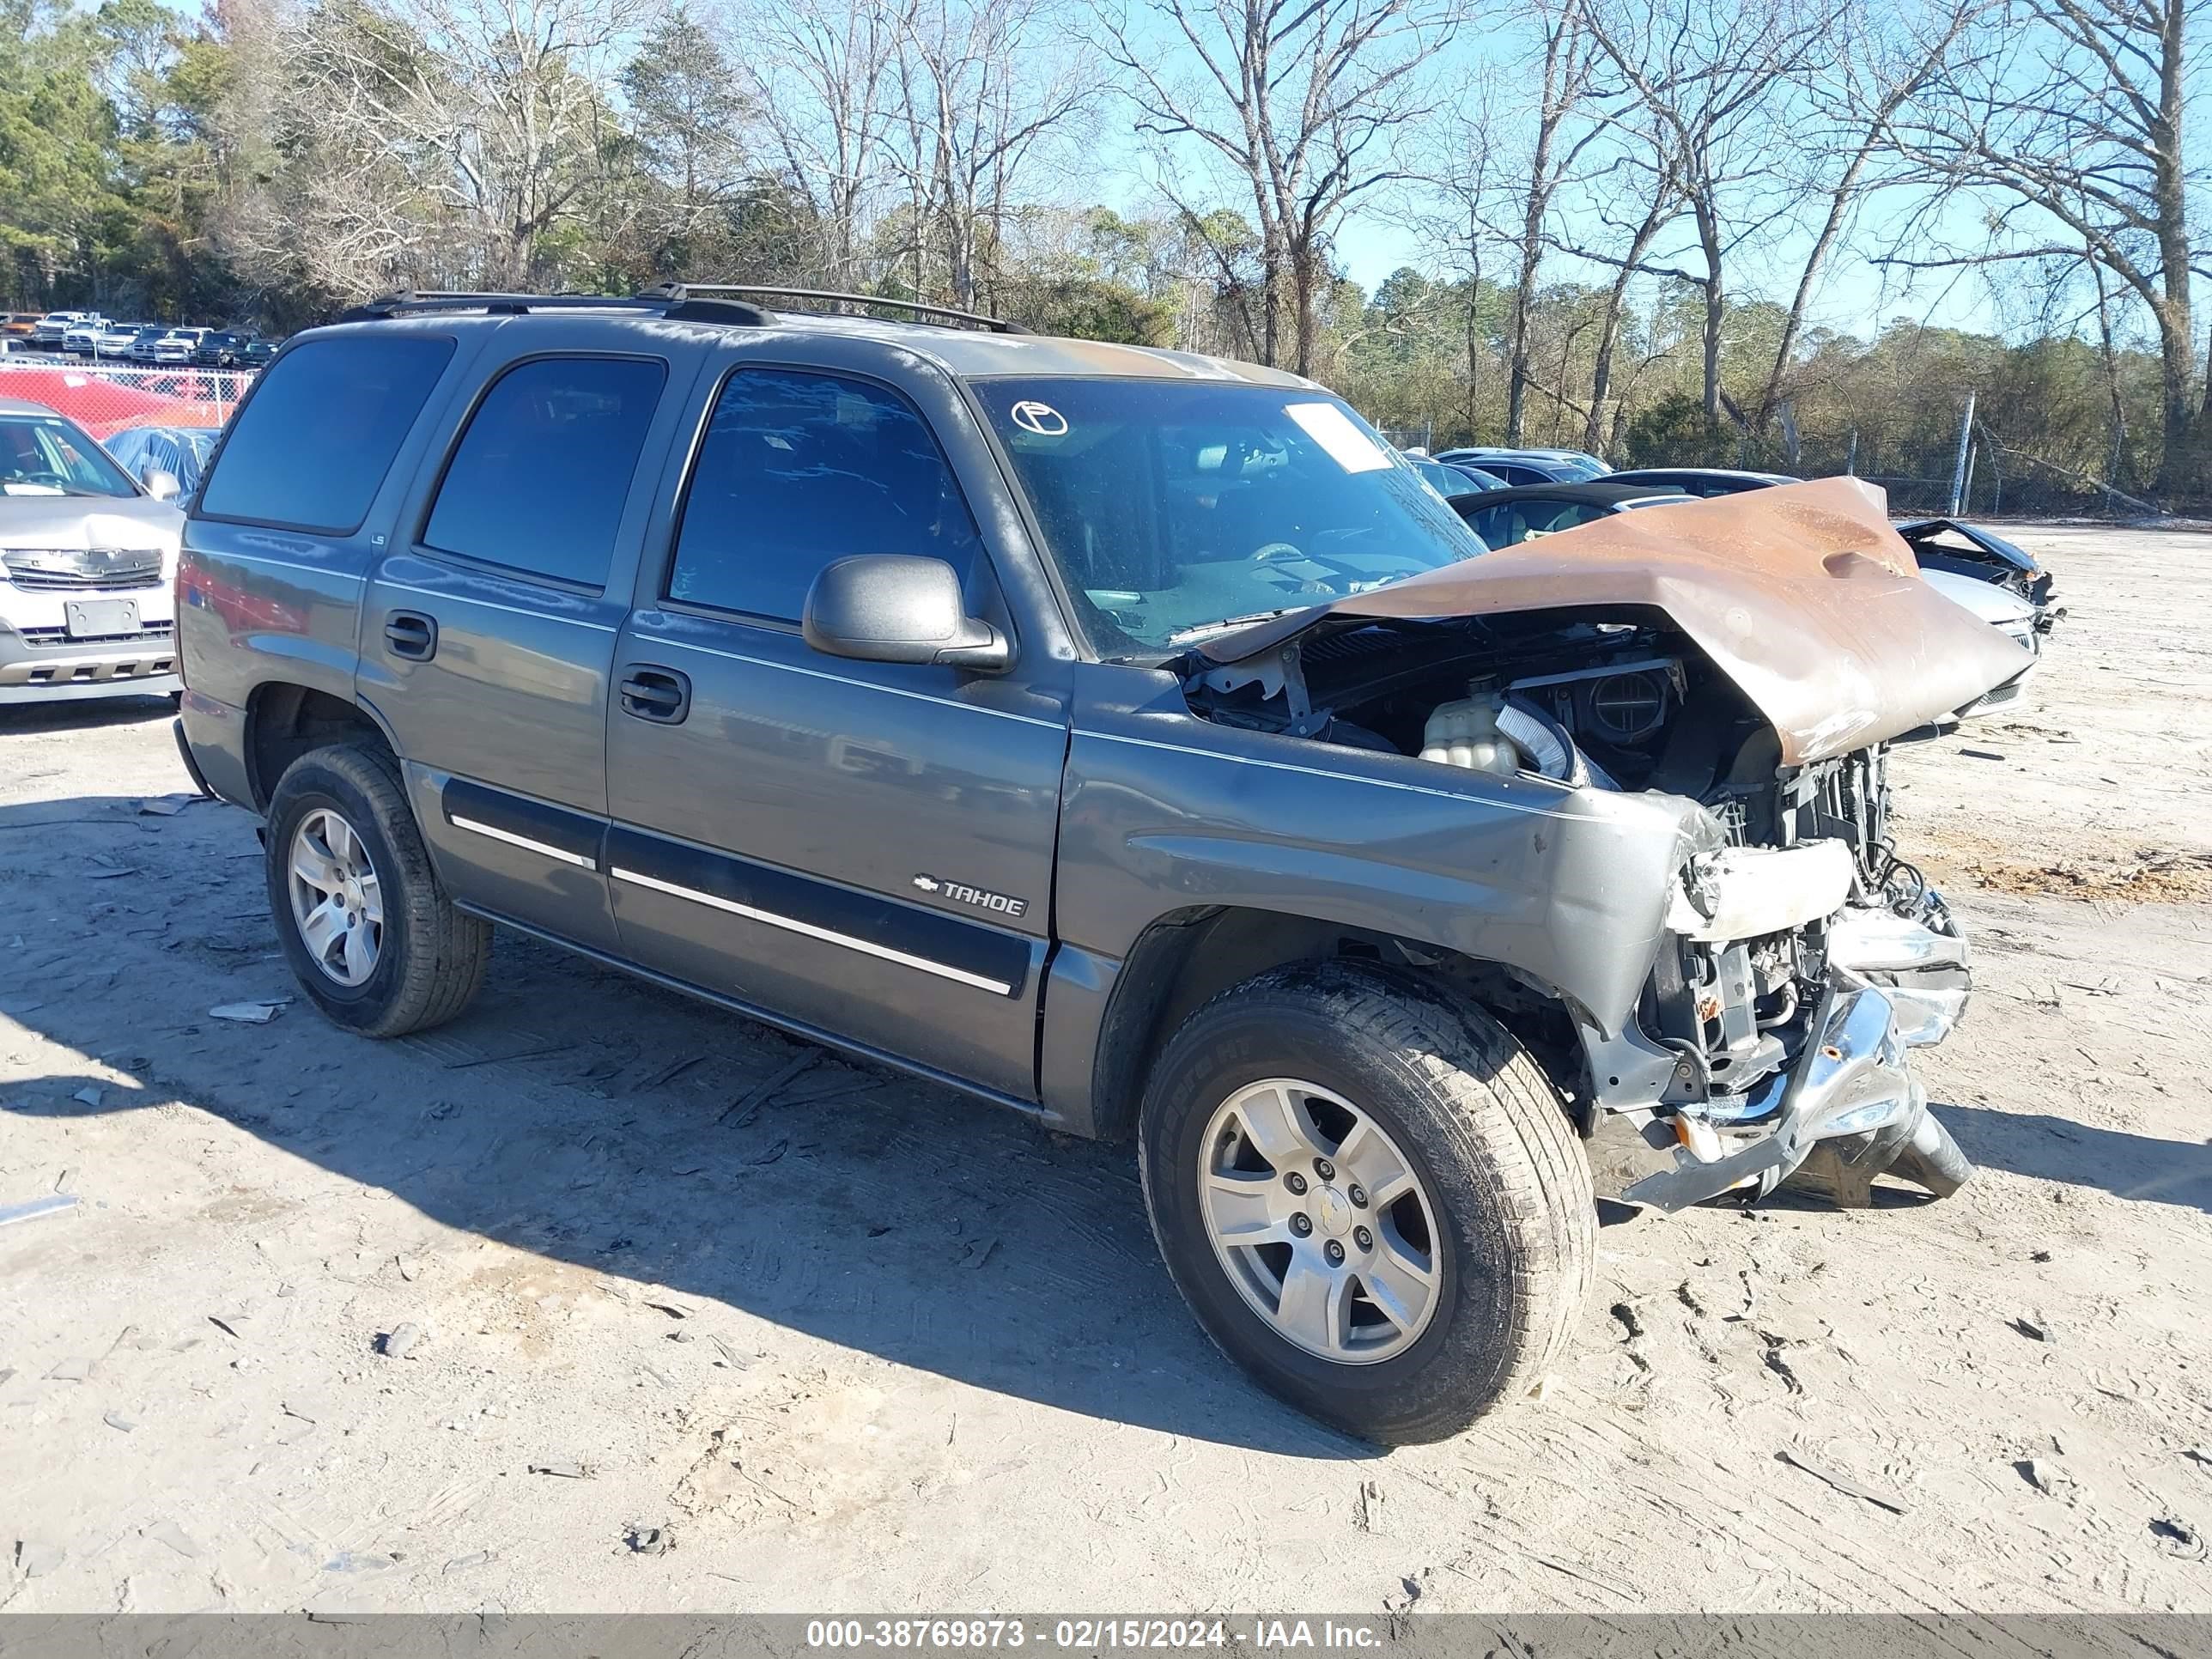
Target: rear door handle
pixel 659 695
pixel 411 634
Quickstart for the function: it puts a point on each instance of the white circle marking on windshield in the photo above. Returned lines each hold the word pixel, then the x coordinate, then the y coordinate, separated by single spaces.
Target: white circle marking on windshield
pixel 1040 419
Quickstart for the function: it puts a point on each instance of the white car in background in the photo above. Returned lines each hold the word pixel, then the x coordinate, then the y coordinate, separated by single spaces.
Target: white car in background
pixel 178 346
pixel 83 335
pixel 88 566
pixel 114 339
pixel 49 329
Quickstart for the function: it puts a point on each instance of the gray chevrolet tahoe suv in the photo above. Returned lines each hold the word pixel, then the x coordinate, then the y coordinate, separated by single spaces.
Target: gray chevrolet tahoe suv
pixel 1125 737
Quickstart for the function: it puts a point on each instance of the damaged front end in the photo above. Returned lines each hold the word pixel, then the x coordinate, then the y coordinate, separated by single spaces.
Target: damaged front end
pixel 1798 970
pixel 1745 677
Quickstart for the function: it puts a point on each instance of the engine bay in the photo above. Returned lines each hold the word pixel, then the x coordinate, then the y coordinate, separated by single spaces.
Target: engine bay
pixel 1799 856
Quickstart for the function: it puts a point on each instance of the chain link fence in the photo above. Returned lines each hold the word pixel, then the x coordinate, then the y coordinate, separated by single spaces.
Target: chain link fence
pixel 105 398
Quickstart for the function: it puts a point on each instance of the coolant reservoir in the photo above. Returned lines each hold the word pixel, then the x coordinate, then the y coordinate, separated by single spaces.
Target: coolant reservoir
pixel 1464 733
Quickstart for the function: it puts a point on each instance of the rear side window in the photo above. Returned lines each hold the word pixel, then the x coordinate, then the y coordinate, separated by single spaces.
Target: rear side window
pixel 538 480
pixel 799 469
pixel 314 441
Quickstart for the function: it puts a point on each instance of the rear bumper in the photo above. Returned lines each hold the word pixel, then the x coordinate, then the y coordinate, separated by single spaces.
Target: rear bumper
pixel 212 735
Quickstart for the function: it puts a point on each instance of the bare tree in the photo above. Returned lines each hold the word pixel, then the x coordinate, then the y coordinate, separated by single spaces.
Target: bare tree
pixel 983 88
pixel 1712 77
pixel 487 113
pixel 1460 191
pixel 1567 53
pixel 1664 200
pixel 819 76
pixel 2070 118
pixel 1298 98
pixel 1883 63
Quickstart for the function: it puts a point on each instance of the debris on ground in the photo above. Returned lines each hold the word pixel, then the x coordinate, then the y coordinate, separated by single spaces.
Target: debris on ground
pixel 742 1110
pixel 648 1541
pixel 1842 1483
pixel 250 1013
pixel 169 1533
pixel 36 1208
pixel 566 1471
pixel 400 1340
pixel 2178 1539
pixel 1367 1507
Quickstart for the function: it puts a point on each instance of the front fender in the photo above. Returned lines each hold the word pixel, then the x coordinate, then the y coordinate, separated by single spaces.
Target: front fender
pixel 1164 812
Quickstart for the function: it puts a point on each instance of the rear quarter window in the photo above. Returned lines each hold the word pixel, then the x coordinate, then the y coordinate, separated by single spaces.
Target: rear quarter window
pixel 313 444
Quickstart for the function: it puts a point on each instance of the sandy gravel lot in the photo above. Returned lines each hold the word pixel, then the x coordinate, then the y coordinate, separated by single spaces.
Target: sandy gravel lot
pixel 857 1344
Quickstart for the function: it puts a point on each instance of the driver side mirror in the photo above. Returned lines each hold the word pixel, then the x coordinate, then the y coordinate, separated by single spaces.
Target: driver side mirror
pixel 894 607
pixel 161 483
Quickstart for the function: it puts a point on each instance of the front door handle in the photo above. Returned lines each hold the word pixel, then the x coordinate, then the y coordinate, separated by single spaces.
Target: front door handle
pixel 659 695
pixel 411 634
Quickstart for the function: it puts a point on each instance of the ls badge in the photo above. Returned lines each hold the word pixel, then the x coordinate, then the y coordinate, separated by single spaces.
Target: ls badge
pixel 961 893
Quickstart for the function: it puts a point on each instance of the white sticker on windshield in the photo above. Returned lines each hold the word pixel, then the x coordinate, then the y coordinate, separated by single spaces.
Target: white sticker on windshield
pixel 1347 446
pixel 1040 419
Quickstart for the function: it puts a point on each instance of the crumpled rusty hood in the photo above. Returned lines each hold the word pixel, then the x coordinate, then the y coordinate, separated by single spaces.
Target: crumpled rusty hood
pixel 1801 594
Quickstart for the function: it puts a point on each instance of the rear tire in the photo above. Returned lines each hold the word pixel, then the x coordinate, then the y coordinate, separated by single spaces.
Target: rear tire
pixel 421 961
pixel 1504 1193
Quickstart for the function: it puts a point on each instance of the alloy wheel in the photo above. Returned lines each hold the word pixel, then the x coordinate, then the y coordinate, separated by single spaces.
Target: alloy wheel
pixel 337 902
pixel 1320 1221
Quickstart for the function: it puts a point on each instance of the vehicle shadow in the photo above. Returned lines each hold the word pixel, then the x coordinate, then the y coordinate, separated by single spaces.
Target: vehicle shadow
pixel 2132 1166
pixel 600 1122
pixel 88 713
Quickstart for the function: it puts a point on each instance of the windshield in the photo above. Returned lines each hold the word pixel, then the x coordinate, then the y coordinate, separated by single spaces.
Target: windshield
pixel 1171 509
pixel 47 456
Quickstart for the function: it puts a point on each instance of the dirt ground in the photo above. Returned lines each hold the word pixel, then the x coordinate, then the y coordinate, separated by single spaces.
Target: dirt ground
pixel 852 1343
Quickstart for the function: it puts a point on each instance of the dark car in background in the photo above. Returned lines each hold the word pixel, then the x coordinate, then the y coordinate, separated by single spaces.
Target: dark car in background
pixel 1514 467
pixel 1449 481
pixel 1704 482
pixel 1505 518
pixel 1939 544
pixel 230 349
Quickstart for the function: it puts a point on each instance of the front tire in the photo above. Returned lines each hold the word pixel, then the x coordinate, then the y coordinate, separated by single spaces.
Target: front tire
pixel 1371 1197
pixel 365 922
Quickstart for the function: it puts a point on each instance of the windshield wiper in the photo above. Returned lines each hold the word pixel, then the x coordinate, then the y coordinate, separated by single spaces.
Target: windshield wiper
pixel 1184 636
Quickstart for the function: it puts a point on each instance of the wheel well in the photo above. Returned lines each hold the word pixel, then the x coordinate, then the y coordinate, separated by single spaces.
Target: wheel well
pixel 1184 960
pixel 285 722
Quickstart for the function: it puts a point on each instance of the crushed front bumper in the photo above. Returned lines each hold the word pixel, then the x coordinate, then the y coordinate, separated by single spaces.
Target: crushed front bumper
pixel 1894 984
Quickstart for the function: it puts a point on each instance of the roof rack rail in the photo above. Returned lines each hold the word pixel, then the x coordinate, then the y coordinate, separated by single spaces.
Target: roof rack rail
pixel 409 299
pixel 927 313
pixel 685 307
pixel 689 302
